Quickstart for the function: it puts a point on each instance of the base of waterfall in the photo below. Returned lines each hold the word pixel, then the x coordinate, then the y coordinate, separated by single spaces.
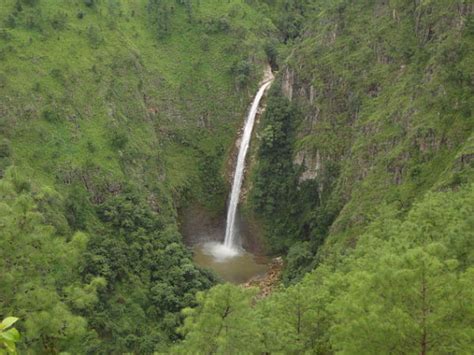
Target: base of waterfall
pixel 233 265
pixel 220 251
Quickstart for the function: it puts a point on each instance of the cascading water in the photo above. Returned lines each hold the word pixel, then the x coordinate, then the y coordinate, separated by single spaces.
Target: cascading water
pixel 228 259
pixel 230 247
pixel 230 240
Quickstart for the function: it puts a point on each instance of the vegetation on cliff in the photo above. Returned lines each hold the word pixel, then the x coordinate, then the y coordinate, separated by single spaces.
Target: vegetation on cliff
pixel 383 97
pixel 407 287
pixel 115 114
pixel 364 175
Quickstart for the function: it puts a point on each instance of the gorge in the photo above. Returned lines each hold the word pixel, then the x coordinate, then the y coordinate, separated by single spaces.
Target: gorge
pixel 132 214
pixel 228 258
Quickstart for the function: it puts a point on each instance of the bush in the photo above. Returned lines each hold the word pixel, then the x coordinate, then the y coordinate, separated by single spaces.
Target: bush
pixel 272 53
pixel 300 260
pixel 3 78
pixel 5 150
pixel 78 208
pixel 242 71
pixel 94 36
pixel 205 42
pixel 119 140
pixel 89 3
pixel 220 25
pixel 33 20
pixel 59 21
pixel 28 2
pixel 5 34
pixel 50 115
pixel 10 21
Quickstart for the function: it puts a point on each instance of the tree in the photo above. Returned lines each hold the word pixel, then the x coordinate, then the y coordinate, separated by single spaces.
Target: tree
pixel 297 319
pixel 148 272
pixel 37 266
pixel 160 16
pixel 274 192
pixel 222 323
pixel 409 291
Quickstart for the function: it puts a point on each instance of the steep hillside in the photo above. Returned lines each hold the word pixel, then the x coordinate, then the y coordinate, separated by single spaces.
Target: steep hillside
pixel 116 114
pixel 113 114
pixel 364 175
pixel 379 111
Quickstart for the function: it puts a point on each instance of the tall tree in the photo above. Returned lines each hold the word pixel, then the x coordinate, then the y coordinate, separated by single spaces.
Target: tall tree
pixel 222 323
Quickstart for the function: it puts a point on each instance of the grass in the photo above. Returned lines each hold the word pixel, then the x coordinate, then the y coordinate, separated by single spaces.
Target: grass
pixel 106 73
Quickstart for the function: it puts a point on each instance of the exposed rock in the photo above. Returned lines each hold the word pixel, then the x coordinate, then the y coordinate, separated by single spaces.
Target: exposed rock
pixel 310 162
pixel 288 82
pixel 269 281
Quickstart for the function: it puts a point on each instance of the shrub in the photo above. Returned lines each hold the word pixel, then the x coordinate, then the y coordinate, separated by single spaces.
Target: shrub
pixel 119 140
pixel 10 21
pixel 242 71
pixel 94 36
pixel 29 2
pixel 59 20
pixel 220 25
pixel 50 115
pixel 3 77
pixel 33 20
pixel 5 150
pixel 89 3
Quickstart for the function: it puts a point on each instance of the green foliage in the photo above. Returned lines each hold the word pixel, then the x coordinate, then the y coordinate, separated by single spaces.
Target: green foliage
pixel 291 210
pixel 37 265
pixel 119 140
pixel 242 71
pixel 406 287
pixel 5 151
pixel 299 261
pixel 160 16
pixel 9 336
pixel 223 322
pixel 146 269
pixel 100 145
pixel 402 278
pixel 94 36
pixel 89 3
pixel 274 188
pixel 59 21
pixel 374 86
pixel 367 77
pixel 77 208
pixel 104 153
pixel 29 2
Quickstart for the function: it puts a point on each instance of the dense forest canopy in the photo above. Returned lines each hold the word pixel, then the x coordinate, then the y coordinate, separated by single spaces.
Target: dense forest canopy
pixel 115 116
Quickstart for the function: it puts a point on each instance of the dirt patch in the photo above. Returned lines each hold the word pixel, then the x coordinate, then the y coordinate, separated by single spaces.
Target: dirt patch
pixel 269 281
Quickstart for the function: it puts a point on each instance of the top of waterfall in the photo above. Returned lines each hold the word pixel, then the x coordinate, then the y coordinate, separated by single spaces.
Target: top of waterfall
pixel 267 75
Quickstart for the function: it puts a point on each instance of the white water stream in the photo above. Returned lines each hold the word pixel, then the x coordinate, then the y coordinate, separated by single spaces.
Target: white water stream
pixel 231 246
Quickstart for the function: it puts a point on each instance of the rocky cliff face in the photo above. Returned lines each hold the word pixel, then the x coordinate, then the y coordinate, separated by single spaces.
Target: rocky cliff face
pixel 383 122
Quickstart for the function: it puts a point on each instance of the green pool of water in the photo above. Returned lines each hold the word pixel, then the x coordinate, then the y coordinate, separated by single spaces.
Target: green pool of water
pixel 235 266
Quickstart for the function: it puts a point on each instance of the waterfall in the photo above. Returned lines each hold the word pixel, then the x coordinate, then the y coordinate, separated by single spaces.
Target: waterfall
pixel 230 234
